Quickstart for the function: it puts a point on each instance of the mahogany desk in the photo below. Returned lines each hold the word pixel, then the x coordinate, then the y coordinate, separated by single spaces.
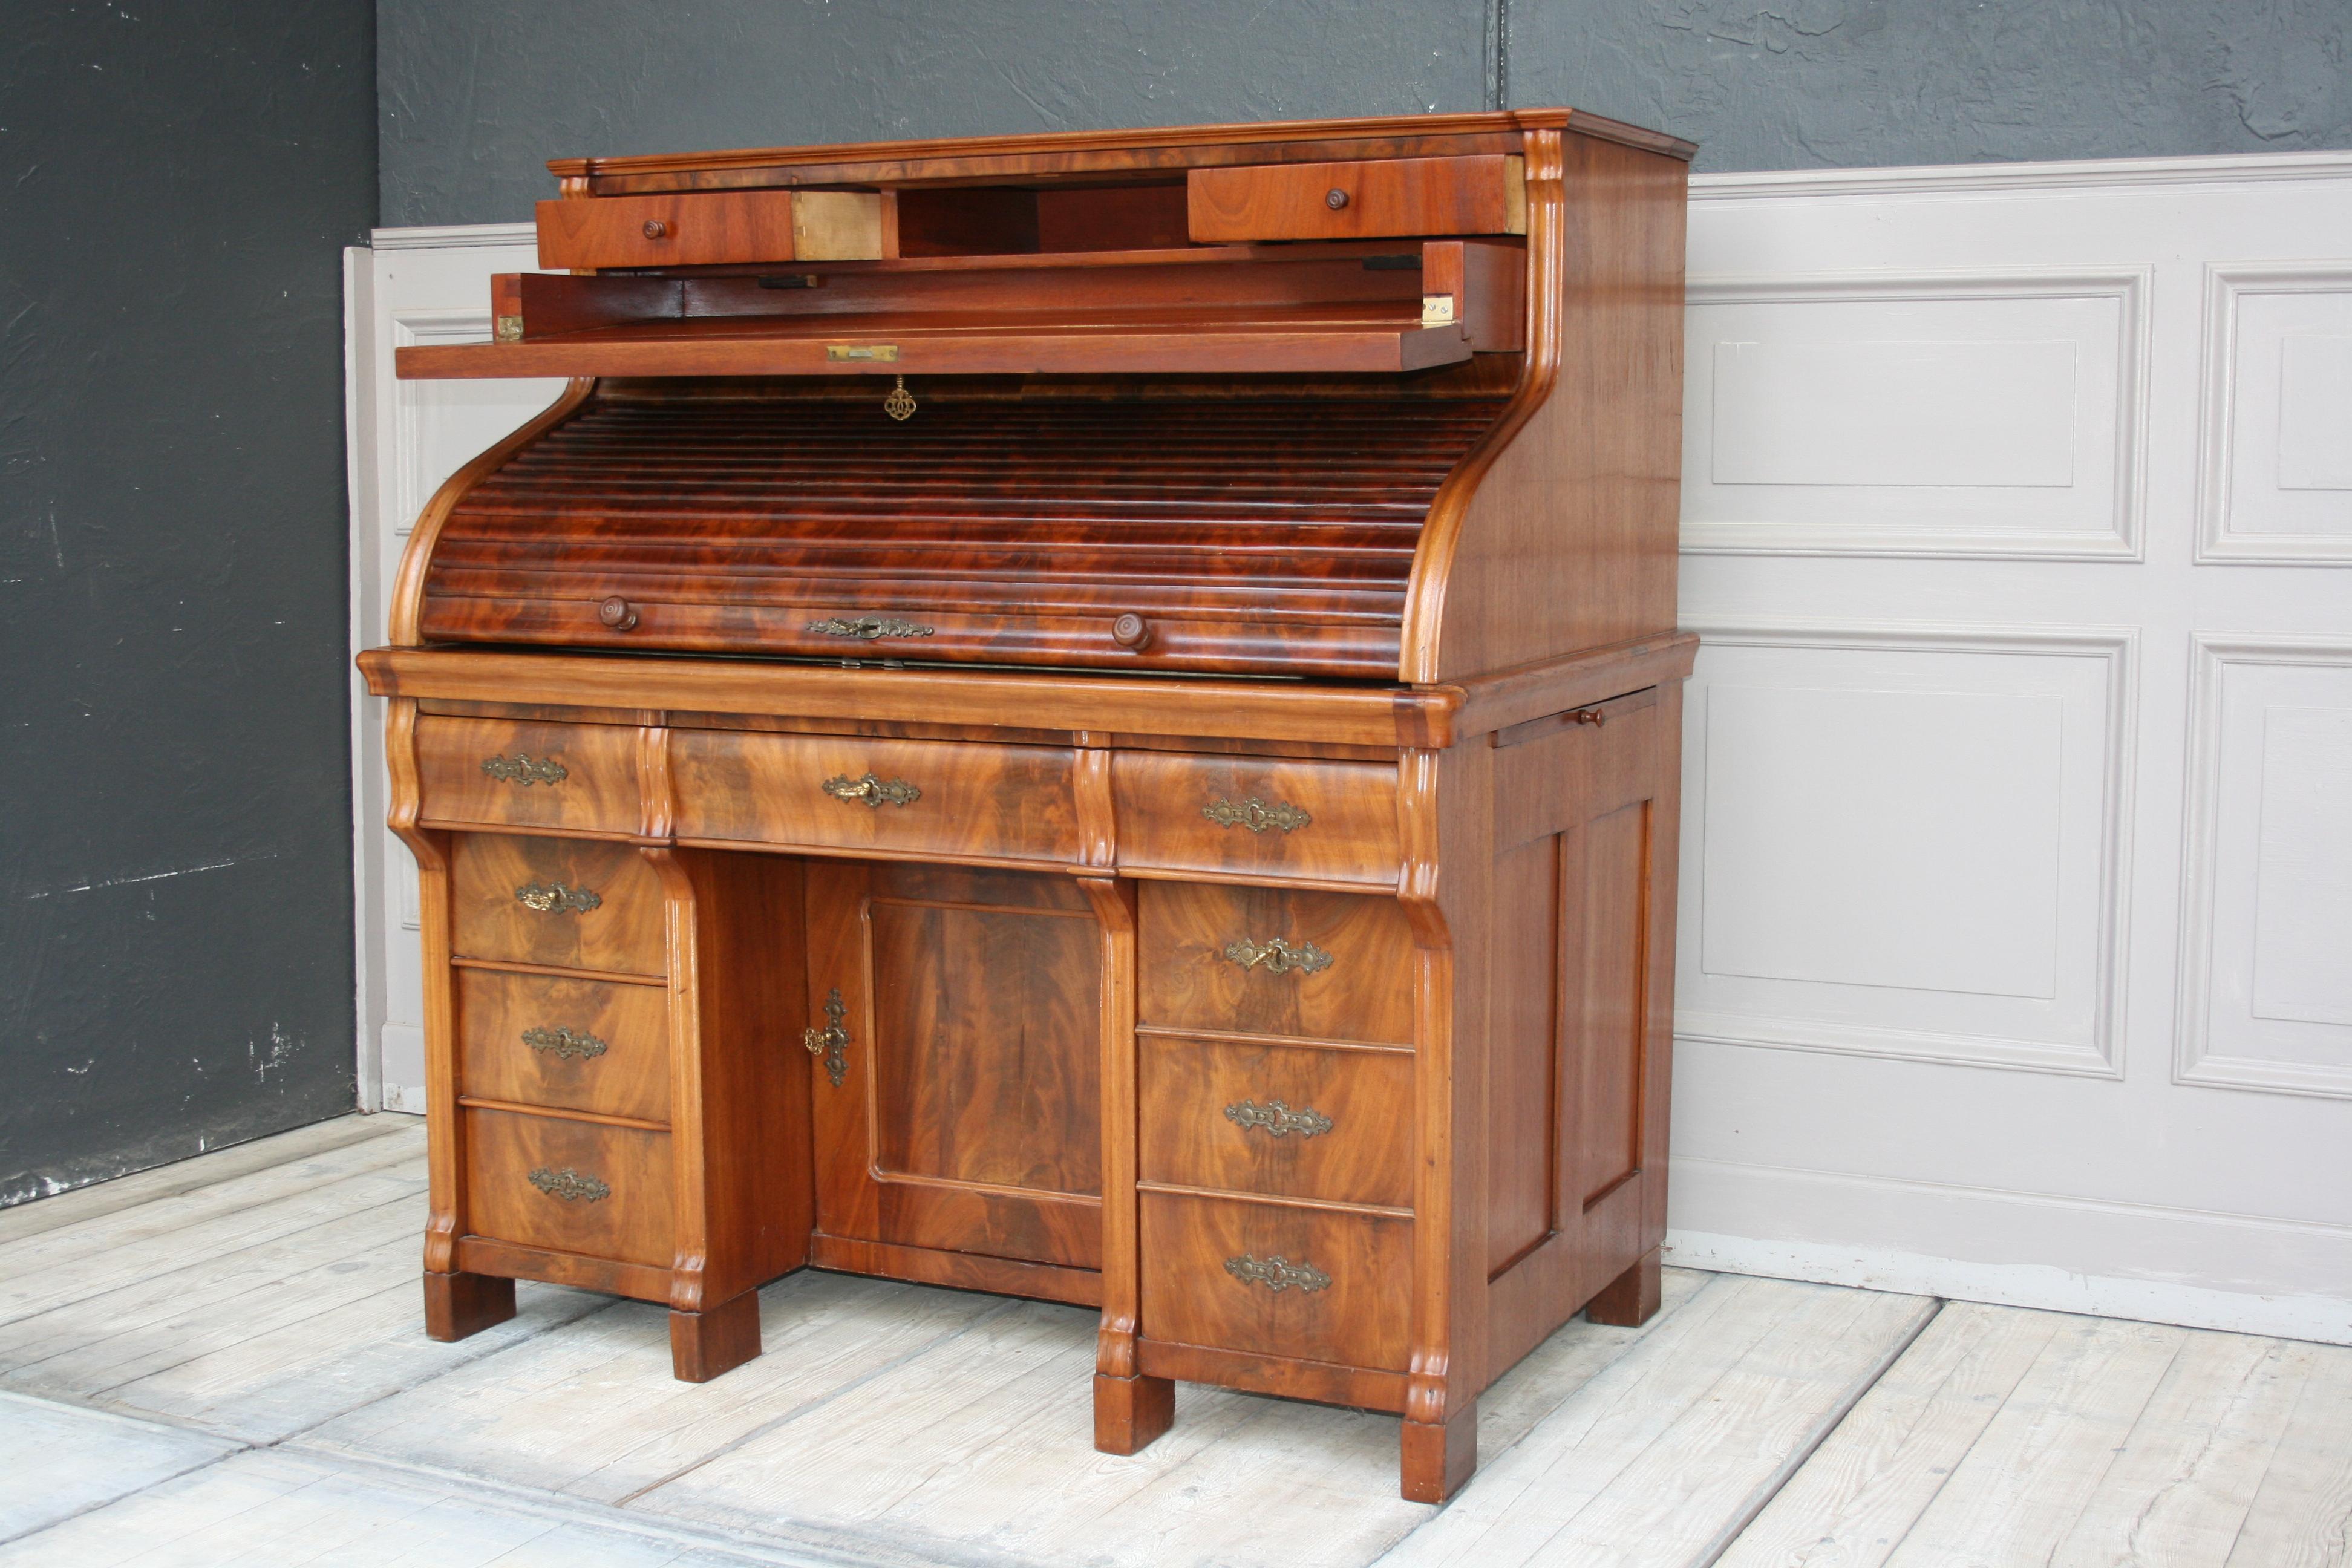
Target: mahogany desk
pixel 1165 799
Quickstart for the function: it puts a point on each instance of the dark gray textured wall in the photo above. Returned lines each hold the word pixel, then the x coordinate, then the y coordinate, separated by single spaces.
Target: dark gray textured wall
pixel 176 180
pixel 475 95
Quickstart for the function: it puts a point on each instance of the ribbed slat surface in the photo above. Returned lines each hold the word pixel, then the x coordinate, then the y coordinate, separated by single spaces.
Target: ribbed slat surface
pixel 1272 534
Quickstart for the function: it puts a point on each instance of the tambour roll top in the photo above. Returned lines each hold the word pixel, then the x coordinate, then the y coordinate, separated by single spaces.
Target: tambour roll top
pixel 1274 532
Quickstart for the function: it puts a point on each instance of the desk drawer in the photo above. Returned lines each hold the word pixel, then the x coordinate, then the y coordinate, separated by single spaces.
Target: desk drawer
pixel 572 1186
pixel 1264 961
pixel 1377 199
pixel 579 1044
pixel 1287 1120
pixel 901 798
pixel 1276 1279
pixel 1257 817
pixel 691 230
pixel 570 902
pixel 580 776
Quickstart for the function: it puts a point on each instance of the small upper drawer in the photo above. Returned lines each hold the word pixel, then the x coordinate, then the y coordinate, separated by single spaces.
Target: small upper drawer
pixel 895 797
pixel 579 1044
pixel 1308 1122
pixel 1277 1280
pixel 572 1186
pixel 570 902
pixel 578 777
pixel 1257 817
pixel 1264 960
pixel 709 228
pixel 1376 199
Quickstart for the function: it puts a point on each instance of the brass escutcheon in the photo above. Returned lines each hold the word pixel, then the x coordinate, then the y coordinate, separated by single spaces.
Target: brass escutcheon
pixel 832 1042
pixel 1277 1119
pixel 555 898
pixel 1256 815
pixel 566 1042
pixel 875 793
pixel 570 1184
pixel 1277 956
pixel 868 627
pixel 524 769
pixel 1277 1274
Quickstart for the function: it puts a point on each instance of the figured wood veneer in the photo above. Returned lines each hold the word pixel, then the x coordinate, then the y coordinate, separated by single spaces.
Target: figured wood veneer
pixel 612 1057
pixel 623 931
pixel 591 786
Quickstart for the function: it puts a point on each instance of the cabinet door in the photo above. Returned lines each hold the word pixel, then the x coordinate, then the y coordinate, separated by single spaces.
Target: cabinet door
pixel 957 1108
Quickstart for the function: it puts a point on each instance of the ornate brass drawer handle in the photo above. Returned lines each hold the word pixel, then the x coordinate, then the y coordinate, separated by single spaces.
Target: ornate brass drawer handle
pixel 876 793
pixel 566 1042
pixel 1277 1119
pixel 555 898
pixel 1256 815
pixel 865 629
pixel 1277 956
pixel 569 1185
pixel 832 1042
pixel 526 770
pixel 1277 1274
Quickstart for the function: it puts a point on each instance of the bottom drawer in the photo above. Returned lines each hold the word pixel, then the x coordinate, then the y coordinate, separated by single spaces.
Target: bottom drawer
pixel 571 1186
pixel 1276 1279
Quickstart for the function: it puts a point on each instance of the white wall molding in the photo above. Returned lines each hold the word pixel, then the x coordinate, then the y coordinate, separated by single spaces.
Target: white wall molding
pixel 455 236
pixel 2093 1055
pixel 2225 414
pixel 2197 1059
pixel 1908 515
pixel 2225 172
pixel 2198 1267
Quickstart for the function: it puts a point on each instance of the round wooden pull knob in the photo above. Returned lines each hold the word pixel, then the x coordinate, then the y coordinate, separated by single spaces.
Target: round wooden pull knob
pixel 1335 198
pixel 617 612
pixel 1130 631
pixel 656 228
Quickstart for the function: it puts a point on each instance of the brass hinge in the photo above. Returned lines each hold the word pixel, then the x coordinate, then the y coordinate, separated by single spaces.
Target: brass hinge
pixel 1437 310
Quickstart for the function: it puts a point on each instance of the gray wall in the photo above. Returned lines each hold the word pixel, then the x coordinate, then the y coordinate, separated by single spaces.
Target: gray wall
pixel 475 95
pixel 175 961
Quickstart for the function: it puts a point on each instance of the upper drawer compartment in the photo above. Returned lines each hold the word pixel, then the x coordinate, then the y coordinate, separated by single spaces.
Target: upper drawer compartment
pixel 569 903
pixel 1257 817
pixel 1379 199
pixel 710 228
pixel 583 777
pixel 938 799
pixel 1261 960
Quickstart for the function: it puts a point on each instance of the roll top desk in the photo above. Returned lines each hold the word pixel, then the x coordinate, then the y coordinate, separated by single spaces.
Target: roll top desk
pixel 1094 717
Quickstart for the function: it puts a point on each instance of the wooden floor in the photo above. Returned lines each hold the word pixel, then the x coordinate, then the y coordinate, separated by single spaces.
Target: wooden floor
pixel 221 1362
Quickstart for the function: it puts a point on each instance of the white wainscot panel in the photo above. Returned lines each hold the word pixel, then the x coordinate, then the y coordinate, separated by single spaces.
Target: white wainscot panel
pixel 2278 452
pixel 1967 416
pixel 2266 959
pixel 1903 842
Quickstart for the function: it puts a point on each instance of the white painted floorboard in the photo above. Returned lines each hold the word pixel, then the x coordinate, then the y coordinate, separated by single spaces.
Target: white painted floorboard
pixel 233 1370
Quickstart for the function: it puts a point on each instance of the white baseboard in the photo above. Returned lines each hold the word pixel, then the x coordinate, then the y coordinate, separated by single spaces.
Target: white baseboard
pixel 2241 1273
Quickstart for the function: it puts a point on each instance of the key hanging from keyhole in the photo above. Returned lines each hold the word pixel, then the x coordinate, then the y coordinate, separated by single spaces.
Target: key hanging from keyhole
pixel 900 404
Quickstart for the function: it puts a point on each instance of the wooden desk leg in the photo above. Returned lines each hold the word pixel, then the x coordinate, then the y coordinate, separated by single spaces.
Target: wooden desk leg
pixel 1130 1412
pixel 456 1305
pixel 1438 1459
pixel 1632 1299
pixel 704 1344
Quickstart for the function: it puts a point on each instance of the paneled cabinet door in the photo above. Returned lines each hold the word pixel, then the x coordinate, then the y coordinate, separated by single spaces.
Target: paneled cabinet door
pixel 955 1044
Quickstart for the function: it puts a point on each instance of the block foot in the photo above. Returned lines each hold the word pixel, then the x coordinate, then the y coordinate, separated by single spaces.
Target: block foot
pixel 456 1305
pixel 1439 1459
pixel 1130 1412
pixel 704 1344
pixel 1632 1299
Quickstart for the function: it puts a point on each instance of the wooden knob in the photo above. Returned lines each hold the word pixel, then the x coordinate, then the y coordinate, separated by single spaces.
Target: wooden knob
pixel 656 228
pixel 1131 631
pixel 617 612
pixel 1588 715
pixel 1335 198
